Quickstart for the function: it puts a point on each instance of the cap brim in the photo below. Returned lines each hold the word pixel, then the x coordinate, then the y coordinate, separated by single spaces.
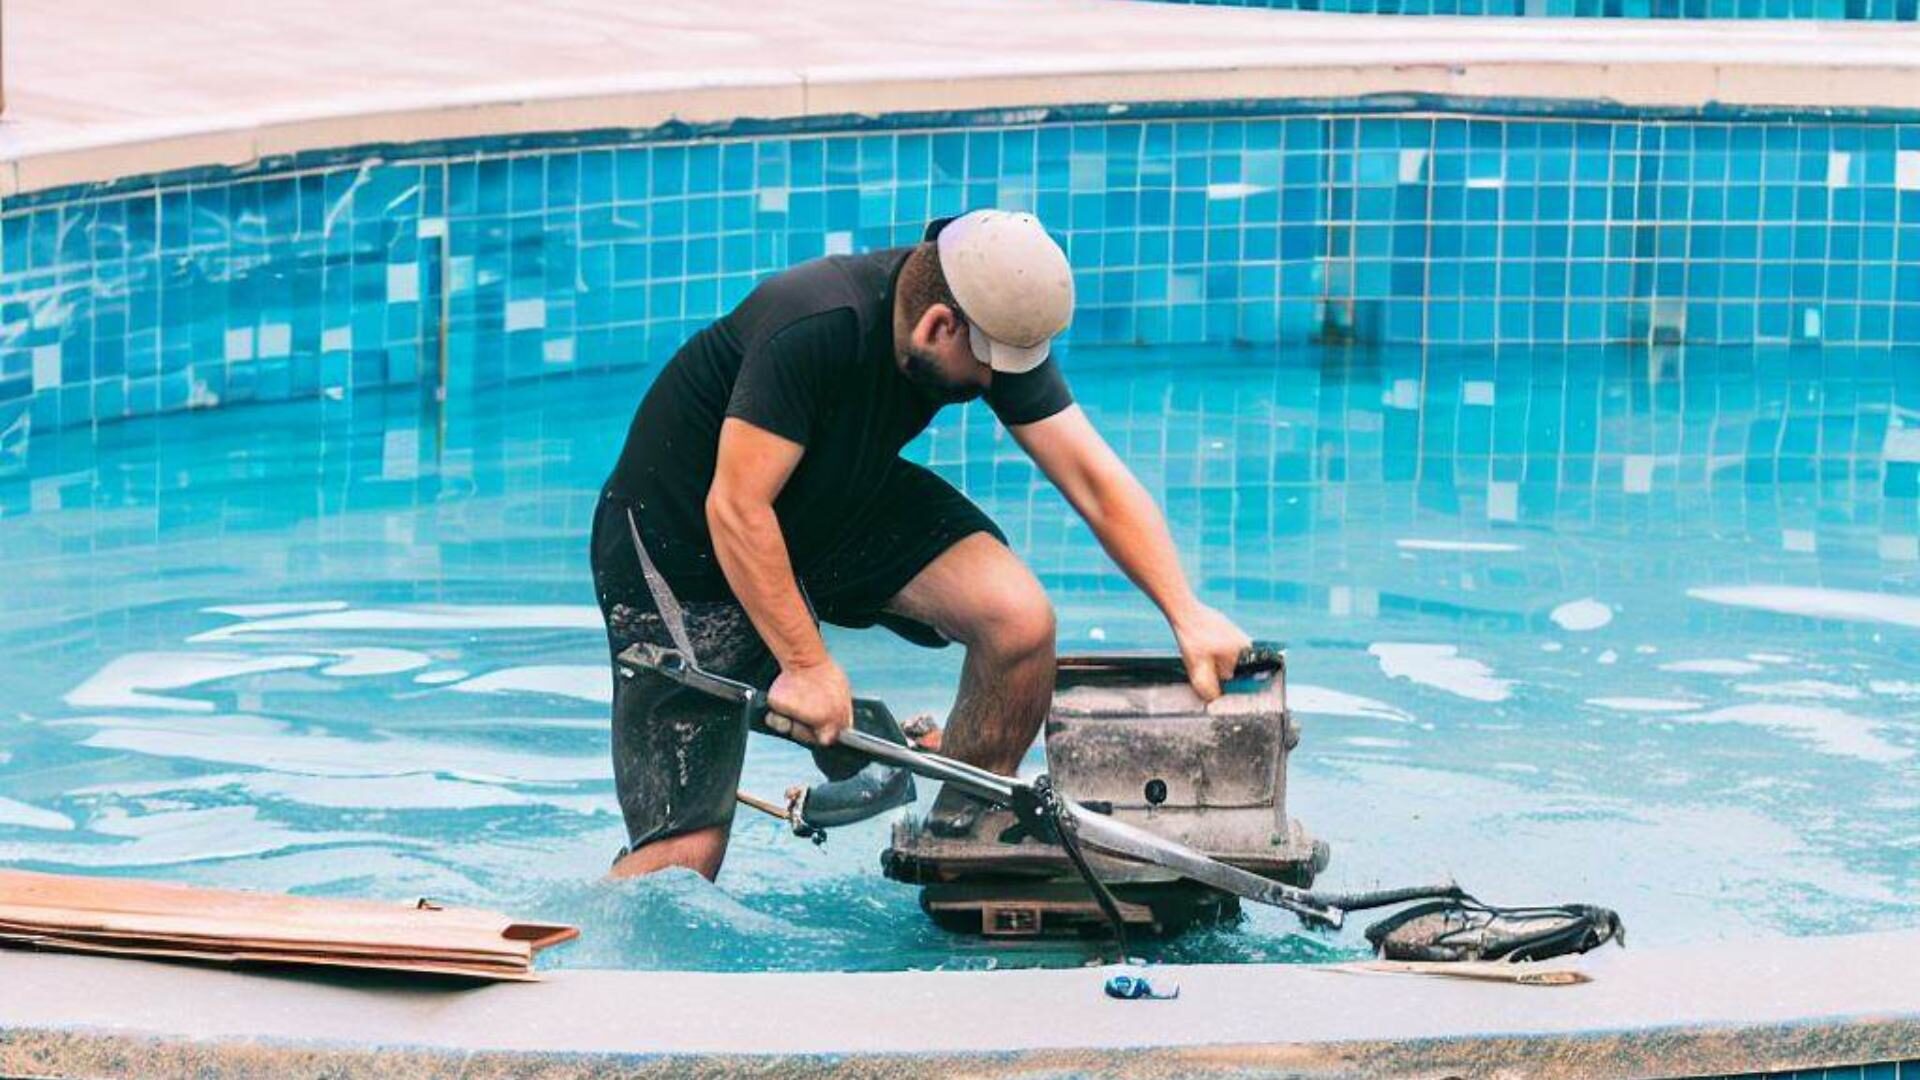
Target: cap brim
pixel 1000 356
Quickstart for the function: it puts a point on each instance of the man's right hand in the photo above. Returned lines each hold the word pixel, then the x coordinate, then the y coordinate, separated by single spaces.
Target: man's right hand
pixel 816 699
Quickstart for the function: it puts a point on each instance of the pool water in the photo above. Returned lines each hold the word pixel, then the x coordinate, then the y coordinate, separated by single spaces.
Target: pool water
pixel 1633 628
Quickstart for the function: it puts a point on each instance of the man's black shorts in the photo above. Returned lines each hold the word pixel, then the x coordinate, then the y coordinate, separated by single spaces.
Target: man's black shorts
pixel 677 753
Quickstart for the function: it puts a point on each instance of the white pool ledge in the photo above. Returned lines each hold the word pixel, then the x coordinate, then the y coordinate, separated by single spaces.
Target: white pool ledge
pixel 174 84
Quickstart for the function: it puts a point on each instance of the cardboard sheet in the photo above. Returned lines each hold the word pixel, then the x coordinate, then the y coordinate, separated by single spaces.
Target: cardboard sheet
pixel 120 916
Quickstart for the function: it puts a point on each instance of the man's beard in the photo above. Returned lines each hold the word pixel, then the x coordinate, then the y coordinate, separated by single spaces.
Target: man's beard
pixel 923 370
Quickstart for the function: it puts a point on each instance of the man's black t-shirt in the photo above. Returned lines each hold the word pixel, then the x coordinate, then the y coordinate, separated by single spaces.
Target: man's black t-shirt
pixel 808 356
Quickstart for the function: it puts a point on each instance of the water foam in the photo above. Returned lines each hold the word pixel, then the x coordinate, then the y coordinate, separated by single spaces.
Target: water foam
pixel 28 816
pixel 1712 667
pixel 1802 688
pixel 1847 605
pixel 431 617
pixel 122 682
pixel 361 662
pixel 259 742
pixel 1325 701
pixel 1475 546
pixel 1829 730
pixel 587 682
pixel 1643 704
pixel 179 837
pixel 1581 615
pixel 1441 667
pixel 264 611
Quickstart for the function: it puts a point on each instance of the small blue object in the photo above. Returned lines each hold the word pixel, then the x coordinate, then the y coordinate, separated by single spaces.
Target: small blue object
pixel 1136 987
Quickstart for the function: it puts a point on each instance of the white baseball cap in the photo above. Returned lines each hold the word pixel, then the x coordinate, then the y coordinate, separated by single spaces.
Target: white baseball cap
pixel 1012 282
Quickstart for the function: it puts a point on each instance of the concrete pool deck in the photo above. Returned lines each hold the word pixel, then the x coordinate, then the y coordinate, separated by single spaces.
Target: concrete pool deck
pixel 98 89
pixel 1714 1009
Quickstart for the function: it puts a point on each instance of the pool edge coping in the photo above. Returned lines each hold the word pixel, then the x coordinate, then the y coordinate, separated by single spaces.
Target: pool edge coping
pixel 1618 72
pixel 1731 1049
pixel 1730 1007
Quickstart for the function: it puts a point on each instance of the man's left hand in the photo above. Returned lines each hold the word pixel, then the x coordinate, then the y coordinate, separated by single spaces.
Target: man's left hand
pixel 1211 645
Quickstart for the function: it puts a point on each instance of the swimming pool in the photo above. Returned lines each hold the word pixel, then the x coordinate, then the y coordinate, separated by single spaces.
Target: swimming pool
pixel 1633 627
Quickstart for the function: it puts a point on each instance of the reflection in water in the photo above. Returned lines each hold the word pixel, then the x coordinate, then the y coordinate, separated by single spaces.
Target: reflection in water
pixel 1591 625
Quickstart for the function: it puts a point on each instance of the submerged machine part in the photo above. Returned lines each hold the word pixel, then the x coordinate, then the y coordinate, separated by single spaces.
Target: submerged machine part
pixel 1128 738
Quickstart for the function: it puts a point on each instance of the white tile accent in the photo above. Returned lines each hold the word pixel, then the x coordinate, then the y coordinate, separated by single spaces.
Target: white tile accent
pixel 1477 392
pixel 1412 163
pixel 403 282
pixel 336 339
pixel 399 529
pixel 773 200
pixel 200 397
pixel 559 351
pixel 1900 548
pixel 1906 170
pixel 1503 501
pixel 1353 600
pixel 432 228
pixel 1901 444
pixel 1636 474
pixel 1810 323
pixel 1800 540
pixel 1233 190
pixel 400 454
pixel 839 243
pixel 1839 165
pixel 1086 171
pixel 1405 394
pixel 46 366
pixel 1183 287
pixel 526 314
pixel 240 344
pixel 276 339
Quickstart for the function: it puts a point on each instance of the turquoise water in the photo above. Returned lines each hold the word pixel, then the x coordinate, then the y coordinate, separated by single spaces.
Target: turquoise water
pixel 1630 628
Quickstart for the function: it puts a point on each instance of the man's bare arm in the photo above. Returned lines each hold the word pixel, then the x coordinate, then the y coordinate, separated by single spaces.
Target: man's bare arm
pixel 1134 533
pixel 751 468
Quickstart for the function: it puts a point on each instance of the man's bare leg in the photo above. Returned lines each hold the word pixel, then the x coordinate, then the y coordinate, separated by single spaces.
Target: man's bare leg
pixel 980 594
pixel 701 850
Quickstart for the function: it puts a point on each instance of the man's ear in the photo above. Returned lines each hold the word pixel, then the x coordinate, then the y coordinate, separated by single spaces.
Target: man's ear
pixel 936 324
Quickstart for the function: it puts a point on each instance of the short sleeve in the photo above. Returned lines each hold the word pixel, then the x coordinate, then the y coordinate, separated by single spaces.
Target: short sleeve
pixel 784 381
pixel 1029 396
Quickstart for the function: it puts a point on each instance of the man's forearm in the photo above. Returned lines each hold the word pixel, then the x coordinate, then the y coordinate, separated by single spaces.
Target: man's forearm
pixel 753 555
pixel 1128 524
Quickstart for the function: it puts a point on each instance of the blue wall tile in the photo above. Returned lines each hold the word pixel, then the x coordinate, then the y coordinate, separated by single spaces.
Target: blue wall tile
pixel 1469 230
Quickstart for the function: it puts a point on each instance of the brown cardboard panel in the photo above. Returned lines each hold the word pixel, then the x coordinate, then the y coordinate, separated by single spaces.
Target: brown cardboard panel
pixel 471 971
pixel 230 944
pixel 145 918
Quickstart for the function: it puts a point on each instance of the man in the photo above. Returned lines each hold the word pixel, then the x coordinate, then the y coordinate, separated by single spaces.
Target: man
pixel 762 474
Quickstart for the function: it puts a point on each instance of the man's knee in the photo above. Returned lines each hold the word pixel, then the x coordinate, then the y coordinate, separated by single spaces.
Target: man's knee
pixel 979 594
pixel 1015 622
